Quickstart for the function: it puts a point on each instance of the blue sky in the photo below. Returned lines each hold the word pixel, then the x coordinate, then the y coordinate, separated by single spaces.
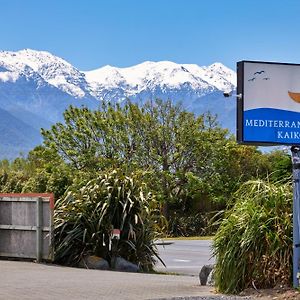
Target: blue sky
pixel 93 33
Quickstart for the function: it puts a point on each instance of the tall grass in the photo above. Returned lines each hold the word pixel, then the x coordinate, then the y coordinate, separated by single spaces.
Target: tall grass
pixel 83 221
pixel 253 245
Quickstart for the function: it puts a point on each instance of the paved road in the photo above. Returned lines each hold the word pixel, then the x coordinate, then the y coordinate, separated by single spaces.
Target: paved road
pixel 30 281
pixel 185 256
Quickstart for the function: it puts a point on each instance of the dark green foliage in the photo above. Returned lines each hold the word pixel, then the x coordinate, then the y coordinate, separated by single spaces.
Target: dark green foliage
pixel 254 242
pixel 160 138
pixel 281 166
pixel 42 171
pixel 84 219
pixel 191 164
pixel 191 225
pixel 12 182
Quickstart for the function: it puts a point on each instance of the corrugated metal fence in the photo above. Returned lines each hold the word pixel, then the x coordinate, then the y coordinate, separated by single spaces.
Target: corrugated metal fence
pixel 26 225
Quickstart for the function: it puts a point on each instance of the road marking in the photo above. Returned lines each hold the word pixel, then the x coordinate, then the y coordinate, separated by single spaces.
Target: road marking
pixel 182 260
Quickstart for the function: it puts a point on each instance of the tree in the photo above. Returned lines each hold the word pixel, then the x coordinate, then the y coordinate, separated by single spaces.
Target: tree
pixel 42 171
pixel 160 138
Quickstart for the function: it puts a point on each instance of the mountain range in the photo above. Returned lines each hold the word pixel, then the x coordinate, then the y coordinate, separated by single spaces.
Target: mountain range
pixel 36 87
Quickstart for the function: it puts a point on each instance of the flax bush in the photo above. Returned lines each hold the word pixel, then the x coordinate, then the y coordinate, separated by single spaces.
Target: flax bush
pixel 253 245
pixel 84 220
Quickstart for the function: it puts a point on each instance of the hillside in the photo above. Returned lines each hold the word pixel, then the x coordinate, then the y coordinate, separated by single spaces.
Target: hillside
pixel 36 87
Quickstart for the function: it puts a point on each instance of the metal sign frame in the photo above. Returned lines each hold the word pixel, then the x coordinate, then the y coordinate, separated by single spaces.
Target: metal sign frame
pixel 240 105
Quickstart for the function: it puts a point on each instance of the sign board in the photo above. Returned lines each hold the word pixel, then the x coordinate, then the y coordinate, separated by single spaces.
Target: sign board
pixel 269 109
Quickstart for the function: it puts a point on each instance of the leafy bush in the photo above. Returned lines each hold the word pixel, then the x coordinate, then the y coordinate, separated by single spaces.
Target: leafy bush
pixel 190 225
pixel 84 219
pixel 13 181
pixel 254 242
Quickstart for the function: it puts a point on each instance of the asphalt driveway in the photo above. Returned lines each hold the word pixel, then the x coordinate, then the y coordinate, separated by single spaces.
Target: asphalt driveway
pixel 184 256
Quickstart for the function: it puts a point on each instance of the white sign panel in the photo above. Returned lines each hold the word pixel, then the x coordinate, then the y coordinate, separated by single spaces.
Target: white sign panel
pixel 269 111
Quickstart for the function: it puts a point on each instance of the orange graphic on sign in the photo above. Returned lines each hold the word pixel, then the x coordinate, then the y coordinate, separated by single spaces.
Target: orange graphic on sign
pixel 294 96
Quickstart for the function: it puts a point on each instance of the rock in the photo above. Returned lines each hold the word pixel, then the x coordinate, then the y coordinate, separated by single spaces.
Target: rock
pixel 204 272
pixel 211 278
pixel 121 264
pixel 94 262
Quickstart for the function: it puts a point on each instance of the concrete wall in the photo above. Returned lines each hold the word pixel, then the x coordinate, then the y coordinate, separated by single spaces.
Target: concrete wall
pixel 26 225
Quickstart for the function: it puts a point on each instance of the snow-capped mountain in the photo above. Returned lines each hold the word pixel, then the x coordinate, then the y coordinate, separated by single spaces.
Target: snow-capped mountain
pixel 159 77
pixel 36 87
pixel 46 67
pixel 41 83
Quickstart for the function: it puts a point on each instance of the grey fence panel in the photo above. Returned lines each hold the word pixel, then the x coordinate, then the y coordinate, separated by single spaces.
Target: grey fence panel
pixel 26 226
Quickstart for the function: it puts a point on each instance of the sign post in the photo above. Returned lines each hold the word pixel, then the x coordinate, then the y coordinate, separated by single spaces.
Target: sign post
pixel 268 113
pixel 296 214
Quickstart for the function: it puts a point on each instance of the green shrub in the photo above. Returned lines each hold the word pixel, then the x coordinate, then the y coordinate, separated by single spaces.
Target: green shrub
pixel 13 181
pixel 190 224
pixel 84 220
pixel 253 245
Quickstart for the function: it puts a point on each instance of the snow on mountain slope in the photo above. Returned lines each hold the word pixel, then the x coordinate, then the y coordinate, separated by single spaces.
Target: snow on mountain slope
pixel 52 69
pixel 164 74
pixel 217 74
pixel 46 69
